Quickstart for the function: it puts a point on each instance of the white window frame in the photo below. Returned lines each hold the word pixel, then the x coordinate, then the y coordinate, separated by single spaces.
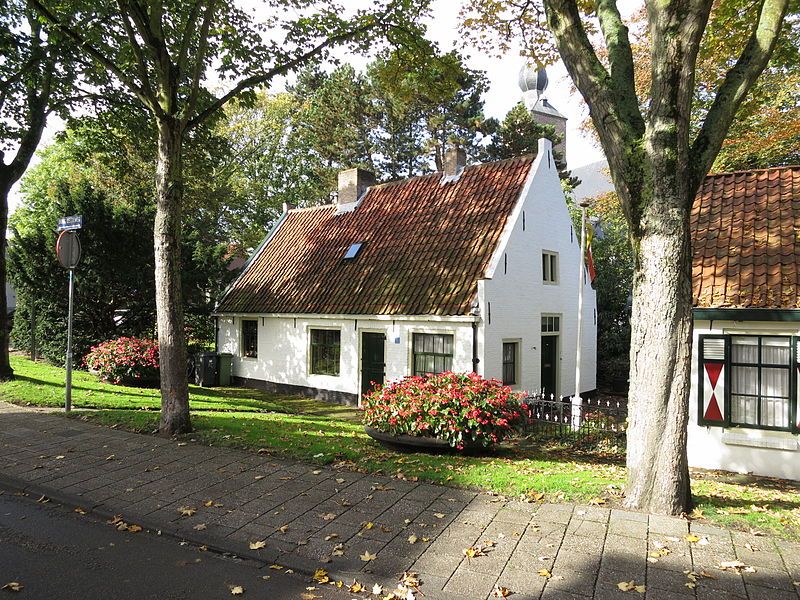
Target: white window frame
pixel 548 266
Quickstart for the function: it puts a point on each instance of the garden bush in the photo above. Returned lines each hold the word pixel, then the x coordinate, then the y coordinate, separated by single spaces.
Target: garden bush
pixel 462 409
pixel 125 359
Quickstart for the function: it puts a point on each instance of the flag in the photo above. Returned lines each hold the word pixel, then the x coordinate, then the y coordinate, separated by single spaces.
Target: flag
pixel 592 229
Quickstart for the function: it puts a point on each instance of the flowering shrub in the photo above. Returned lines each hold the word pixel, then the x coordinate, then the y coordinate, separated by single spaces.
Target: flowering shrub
pixel 125 358
pixel 456 407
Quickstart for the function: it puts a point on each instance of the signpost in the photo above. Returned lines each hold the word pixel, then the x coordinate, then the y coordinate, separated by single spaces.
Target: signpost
pixel 68 250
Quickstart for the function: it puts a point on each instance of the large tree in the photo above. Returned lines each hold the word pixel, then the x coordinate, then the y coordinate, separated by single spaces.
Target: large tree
pixel 35 79
pixel 162 54
pixel 657 163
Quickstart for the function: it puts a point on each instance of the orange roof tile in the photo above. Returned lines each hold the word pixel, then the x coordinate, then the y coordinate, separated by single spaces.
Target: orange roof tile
pixel 425 247
pixel 745 233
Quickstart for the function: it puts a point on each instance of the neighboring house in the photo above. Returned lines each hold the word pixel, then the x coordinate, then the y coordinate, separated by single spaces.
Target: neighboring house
pixel 475 269
pixel 744 413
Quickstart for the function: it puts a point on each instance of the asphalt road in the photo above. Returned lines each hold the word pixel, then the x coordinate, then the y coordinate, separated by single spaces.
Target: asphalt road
pixel 56 553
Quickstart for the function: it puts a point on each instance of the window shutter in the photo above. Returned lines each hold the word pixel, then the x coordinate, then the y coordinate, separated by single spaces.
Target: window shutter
pixel 713 372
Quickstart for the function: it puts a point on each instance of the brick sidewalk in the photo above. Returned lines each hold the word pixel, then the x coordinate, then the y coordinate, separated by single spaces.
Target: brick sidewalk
pixel 315 517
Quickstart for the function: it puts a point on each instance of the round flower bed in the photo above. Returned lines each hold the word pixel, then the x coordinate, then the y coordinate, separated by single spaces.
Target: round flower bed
pixel 463 410
pixel 127 361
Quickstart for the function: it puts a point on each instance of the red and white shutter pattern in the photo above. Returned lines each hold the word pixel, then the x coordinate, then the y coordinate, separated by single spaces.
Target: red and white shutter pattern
pixel 713 364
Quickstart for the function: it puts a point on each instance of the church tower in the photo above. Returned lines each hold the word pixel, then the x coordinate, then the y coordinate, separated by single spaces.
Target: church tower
pixel 533 83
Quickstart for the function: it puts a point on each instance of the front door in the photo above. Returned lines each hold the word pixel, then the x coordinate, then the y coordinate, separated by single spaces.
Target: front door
pixel 549 365
pixel 373 363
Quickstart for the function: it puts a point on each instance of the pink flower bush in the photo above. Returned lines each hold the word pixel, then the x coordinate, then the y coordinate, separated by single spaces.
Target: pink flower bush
pixel 457 407
pixel 125 357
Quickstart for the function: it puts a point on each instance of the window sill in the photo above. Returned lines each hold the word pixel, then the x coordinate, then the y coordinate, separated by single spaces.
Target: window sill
pixel 775 441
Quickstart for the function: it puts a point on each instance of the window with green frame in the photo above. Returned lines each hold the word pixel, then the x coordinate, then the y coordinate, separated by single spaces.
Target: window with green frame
pixel 433 353
pixel 760 381
pixel 325 351
pixel 748 380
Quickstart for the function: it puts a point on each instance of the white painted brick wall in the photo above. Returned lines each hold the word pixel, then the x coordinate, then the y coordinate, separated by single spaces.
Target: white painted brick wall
pixel 284 345
pixel 519 297
pixel 726 449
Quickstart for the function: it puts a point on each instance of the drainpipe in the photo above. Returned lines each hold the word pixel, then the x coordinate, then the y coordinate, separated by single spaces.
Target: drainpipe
pixel 475 311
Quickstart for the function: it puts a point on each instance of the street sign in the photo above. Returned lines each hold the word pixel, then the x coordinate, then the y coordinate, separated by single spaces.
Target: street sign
pixel 68 249
pixel 70 223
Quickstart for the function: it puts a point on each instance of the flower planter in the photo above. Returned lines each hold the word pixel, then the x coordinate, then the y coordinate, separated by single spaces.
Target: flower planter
pixel 425 444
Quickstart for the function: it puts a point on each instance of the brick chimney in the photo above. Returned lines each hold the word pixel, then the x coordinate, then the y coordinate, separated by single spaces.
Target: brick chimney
pixel 455 159
pixel 352 185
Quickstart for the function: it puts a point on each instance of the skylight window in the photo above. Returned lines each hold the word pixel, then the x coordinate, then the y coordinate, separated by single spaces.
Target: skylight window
pixel 353 250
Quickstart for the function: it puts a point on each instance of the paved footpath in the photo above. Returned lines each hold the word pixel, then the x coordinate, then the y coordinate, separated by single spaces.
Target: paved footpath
pixel 315 517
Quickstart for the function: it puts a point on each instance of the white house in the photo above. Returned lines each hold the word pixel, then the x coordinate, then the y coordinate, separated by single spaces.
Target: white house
pixel 746 360
pixel 475 269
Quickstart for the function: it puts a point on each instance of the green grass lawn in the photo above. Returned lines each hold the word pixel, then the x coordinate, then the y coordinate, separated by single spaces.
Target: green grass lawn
pixel 329 434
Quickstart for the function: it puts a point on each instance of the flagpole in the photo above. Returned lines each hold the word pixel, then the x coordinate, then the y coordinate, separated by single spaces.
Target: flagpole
pixel 576 399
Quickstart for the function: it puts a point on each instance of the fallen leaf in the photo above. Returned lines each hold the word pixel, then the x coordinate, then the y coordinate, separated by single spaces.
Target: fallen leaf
pixel 283 528
pixel 751 547
pixel 691 538
pixel 500 592
pixel 412 539
pixel 377 589
pixel 134 528
pixel 630 586
pixel 338 550
pixel 199 527
pixel 79 510
pixel 237 590
pixel 473 551
pixel 208 503
pixel 340 480
pixel 276 567
pixel 13 586
pixel 258 545
pixel 187 511
pixel 328 516
pixel 330 537
pixel 597 501
pixel 309 596
pixel 109 457
pixel 696 514
pixel 544 573
pixel 366 557
pixel 439 515
pixel 43 500
pixel 737 566
pixel 369 525
pixel 61 456
pixel 321 576
pixel 532 496
pixel 356 587
pixel 316 472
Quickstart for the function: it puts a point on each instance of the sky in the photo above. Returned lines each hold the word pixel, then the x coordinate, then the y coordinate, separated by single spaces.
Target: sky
pixel 502 73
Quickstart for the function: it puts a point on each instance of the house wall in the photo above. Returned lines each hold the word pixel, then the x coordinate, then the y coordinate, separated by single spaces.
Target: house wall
pixel 514 299
pixel 735 448
pixel 284 350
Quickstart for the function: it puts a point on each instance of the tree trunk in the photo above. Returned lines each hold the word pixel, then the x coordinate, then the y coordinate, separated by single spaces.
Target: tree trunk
pixel 6 372
pixel 661 336
pixel 169 297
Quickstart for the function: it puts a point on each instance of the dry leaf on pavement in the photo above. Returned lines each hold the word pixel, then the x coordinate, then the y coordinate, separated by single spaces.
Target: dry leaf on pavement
pixel 258 545
pixel 366 557
pixel 187 511
pixel 321 576
pixel 236 590
pixel 13 586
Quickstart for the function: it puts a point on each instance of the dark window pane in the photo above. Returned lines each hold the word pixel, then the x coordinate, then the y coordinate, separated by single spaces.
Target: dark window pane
pixel 325 351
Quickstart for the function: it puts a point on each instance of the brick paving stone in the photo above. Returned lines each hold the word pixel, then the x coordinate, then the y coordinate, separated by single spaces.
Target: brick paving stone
pixel 627 528
pixel 572 581
pixel 473 585
pixel 522 583
pixel 670 526
pixel 755 592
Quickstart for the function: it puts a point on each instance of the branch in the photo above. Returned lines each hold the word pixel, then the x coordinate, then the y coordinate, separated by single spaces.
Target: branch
pixel 200 60
pixel 620 57
pixel 187 37
pixel 141 64
pixel 96 54
pixel 618 135
pixel 254 80
pixel 732 91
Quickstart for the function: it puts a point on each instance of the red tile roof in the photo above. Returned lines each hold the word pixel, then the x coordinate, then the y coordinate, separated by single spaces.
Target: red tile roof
pixel 745 233
pixel 425 247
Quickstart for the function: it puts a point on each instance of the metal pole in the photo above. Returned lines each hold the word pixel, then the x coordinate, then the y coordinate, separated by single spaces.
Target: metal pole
pixel 68 398
pixel 576 399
